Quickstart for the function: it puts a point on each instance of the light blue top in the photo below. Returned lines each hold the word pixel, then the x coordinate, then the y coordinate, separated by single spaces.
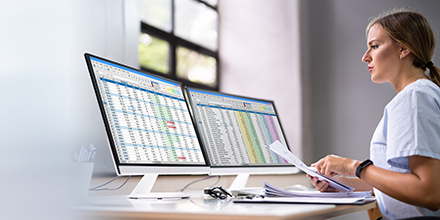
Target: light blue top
pixel 410 126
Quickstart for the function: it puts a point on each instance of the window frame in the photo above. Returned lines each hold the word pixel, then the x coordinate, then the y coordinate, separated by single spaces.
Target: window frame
pixel 174 42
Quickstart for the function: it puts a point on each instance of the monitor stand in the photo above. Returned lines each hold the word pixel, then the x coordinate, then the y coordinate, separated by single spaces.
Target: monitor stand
pixel 143 190
pixel 240 181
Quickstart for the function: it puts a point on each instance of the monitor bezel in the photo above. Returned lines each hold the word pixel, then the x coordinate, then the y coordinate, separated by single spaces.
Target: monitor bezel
pixel 140 169
pixel 236 169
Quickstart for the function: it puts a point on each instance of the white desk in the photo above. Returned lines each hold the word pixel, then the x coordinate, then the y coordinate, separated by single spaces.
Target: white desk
pixel 199 207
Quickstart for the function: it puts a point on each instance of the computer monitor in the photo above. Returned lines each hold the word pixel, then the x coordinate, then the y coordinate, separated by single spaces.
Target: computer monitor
pixel 234 131
pixel 149 128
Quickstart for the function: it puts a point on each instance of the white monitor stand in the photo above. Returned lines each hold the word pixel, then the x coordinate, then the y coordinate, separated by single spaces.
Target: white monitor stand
pixel 143 190
pixel 243 173
pixel 240 181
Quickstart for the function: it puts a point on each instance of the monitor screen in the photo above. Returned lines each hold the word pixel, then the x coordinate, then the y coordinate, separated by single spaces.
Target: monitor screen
pixel 149 127
pixel 235 130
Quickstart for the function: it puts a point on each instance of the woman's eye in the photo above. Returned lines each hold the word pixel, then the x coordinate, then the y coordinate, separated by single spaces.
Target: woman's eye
pixel 374 46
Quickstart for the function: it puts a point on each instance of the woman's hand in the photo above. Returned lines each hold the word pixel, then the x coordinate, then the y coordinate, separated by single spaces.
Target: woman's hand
pixel 322 186
pixel 333 165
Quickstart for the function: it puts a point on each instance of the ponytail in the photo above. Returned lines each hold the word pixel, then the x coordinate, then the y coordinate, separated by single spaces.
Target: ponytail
pixel 434 74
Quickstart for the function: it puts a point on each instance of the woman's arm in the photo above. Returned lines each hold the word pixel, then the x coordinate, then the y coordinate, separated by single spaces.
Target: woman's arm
pixel 421 187
pixel 354 182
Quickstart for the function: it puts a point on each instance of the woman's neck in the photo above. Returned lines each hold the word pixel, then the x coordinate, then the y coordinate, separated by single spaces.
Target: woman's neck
pixel 409 77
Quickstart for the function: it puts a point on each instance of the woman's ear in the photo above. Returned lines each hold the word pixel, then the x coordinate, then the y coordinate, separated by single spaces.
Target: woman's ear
pixel 404 51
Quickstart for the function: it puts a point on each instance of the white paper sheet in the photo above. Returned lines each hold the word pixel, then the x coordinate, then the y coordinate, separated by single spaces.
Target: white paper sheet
pixel 282 150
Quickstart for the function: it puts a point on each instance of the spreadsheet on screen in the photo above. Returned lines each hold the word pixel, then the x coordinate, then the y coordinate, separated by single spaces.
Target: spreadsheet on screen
pixel 235 130
pixel 147 117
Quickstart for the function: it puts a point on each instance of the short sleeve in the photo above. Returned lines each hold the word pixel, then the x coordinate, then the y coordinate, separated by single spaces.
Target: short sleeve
pixel 413 127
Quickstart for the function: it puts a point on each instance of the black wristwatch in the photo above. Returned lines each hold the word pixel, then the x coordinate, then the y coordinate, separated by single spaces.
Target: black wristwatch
pixel 361 166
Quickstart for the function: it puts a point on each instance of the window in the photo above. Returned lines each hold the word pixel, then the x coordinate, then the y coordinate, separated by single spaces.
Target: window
pixel 179 38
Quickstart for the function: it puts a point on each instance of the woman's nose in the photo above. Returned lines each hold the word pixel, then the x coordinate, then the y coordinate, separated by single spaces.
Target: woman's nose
pixel 366 57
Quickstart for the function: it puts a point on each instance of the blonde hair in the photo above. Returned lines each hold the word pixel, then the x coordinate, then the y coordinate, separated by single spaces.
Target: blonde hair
pixel 411 29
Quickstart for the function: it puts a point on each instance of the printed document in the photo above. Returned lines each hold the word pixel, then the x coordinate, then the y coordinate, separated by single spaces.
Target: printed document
pixel 282 150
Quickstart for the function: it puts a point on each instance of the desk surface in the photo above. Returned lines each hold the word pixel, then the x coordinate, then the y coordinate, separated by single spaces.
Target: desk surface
pixel 199 207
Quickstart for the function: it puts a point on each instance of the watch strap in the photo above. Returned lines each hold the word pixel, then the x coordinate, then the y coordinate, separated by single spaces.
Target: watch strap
pixel 361 166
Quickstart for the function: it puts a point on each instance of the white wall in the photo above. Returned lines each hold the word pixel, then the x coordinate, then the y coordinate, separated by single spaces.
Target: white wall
pixel 109 29
pixel 46 105
pixel 259 55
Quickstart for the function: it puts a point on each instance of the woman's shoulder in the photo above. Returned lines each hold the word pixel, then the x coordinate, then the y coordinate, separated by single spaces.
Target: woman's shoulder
pixel 422 91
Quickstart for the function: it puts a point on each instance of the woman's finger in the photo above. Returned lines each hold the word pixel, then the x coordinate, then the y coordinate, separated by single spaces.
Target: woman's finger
pixel 322 186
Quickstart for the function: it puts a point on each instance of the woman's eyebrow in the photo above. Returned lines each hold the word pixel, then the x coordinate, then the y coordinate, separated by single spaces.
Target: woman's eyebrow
pixel 371 42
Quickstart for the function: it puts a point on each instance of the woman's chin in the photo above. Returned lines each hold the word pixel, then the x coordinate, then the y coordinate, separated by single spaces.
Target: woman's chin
pixel 376 80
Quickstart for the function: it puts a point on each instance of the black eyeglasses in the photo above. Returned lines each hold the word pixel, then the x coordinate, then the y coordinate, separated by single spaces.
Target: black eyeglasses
pixel 217 192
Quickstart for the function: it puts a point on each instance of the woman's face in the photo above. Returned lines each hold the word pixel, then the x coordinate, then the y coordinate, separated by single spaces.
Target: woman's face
pixel 382 56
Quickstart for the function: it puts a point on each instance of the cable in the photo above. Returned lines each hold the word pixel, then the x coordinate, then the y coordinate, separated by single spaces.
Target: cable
pixel 218 180
pixel 96 188
pixel 195 181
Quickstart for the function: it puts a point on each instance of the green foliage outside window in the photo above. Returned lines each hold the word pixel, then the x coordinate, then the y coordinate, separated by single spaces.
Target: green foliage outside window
pixel 196 67
pixel 153 53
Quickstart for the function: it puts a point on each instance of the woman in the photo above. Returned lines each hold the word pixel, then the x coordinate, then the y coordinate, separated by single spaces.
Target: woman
pixel 404 169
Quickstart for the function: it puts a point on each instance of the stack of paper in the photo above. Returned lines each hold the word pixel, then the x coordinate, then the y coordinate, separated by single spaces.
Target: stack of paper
pixel 277 195
pixel 271 190
pixel 307 200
